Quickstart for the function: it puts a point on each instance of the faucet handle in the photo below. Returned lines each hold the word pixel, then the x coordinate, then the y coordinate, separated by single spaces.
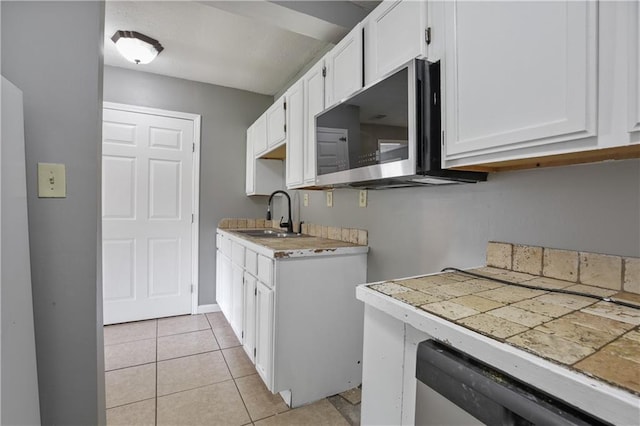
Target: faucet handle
pixel 283 224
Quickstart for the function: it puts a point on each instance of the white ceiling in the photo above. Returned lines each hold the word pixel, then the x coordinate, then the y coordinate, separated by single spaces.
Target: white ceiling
pixel 252 45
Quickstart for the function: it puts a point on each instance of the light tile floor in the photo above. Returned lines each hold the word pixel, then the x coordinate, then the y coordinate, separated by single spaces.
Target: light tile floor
pixel 192 370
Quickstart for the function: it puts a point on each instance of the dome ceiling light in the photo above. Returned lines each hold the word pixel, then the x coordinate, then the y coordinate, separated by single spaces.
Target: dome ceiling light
pixel 135 47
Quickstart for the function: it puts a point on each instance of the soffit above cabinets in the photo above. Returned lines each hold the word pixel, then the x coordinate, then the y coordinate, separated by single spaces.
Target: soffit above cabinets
pixel 251 45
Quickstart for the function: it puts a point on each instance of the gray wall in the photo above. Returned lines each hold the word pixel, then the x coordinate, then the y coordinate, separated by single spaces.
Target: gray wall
pixel 19 402
pixel 52 52
pixel 226 115
pixel 594 207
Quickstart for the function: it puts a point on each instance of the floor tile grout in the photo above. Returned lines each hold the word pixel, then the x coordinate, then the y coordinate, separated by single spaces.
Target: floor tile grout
pixel 197 387
pixel 237 388
pixel 226 361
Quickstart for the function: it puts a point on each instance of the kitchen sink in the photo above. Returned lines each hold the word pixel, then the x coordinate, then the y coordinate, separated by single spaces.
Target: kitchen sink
pixel 270 233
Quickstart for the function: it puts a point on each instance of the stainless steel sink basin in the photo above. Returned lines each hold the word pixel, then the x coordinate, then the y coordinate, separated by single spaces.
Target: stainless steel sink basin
pixel 270 233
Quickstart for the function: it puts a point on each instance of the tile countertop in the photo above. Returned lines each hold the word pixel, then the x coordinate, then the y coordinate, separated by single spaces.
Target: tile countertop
pixel 282 248
pixel 598 339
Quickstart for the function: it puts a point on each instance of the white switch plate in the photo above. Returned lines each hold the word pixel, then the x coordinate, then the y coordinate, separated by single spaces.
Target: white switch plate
pixel 330 199
pixel 51 180
pixel 362 200
pixel 305 200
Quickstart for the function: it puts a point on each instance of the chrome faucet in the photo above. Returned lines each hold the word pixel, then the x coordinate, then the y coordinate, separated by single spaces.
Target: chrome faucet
pixel 288 224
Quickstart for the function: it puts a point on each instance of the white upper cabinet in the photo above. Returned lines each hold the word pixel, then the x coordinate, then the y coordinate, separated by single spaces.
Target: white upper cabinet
pixel 260 135
pixel 263 176
pixel 618 74
pixel 251 163
pixel 344 67
pixel 276 124
pixel 314 85
pixel 394 33
pixel 518 77
pixel 295 134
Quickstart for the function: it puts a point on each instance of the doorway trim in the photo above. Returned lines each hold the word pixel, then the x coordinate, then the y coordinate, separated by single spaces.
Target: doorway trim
pixel 195 204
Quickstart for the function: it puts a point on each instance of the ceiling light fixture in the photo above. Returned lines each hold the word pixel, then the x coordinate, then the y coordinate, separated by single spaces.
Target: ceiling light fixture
pixel 135 47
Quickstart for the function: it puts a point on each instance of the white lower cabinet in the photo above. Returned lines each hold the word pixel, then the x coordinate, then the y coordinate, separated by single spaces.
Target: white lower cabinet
pixel 237 299
pixel 264 333
pixel 223 275
pixel 249 321
pixel 301 324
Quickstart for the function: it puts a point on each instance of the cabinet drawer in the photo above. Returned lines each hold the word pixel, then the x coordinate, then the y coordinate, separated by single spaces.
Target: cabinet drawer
pixel 265 270
pixel 251 262
pixel 237 254
pixel 225 245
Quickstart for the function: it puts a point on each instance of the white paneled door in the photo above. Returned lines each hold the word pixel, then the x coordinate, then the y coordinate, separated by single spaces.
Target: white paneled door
pixel 148 219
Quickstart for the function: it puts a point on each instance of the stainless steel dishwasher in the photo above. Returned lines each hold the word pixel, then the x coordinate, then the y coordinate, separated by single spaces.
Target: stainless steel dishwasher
pixel 456 389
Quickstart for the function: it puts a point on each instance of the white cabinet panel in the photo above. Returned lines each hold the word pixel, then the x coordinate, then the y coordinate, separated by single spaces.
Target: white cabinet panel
pixel 265 270
pixel 394 34
pixel 314 103
pixel 264 333
pixel 260 135
pixel 507 84
pixel 250 164
pixel 296 134
pixel 263 176
pixel 276 127
pixel 251 262
pixel 344 67
pixel 237 253
pixel 237 299
pixel 249 322
pixel 223 283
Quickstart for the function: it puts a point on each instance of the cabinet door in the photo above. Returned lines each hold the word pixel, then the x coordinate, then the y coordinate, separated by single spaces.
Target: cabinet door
pixel 276 123
pixel 260 135
pixel 251 164
pixel 394 33
pixel 237 299
pixel 223 283
pixel 295 137
pixel 249 320
pixel 510 85
pixel 344 67
pixel 314 104
pixel 264 333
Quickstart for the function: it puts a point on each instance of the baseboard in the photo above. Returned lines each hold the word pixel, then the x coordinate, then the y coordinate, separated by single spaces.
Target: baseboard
pixel 205 309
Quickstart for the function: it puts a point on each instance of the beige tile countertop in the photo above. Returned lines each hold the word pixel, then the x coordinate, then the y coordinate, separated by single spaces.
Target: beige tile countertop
pixel 294 243
pixel 306 245
pixel 597 338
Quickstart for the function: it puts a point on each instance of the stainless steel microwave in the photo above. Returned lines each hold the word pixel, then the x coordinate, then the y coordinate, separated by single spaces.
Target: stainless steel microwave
pixel 387 134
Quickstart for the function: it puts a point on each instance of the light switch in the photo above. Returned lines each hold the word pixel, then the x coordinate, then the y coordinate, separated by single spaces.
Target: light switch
pixel 305 200
pixel 362 200
pixel 330 199
pixel 51 181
